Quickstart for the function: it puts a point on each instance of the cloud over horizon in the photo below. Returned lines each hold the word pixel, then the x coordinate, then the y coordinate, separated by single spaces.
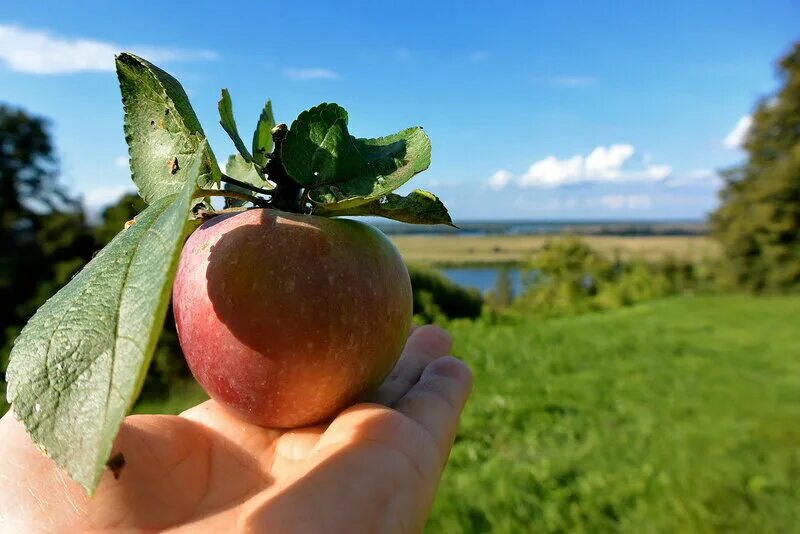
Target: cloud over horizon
pixel 610 164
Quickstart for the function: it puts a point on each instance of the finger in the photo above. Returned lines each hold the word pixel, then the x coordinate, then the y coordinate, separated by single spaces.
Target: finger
pixel 436 401
pixel 423 346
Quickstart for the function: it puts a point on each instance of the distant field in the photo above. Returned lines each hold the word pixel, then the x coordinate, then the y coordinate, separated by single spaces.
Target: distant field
pixel 493 249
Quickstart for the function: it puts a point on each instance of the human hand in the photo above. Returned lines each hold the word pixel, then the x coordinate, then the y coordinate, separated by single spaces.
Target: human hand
pixel 374 468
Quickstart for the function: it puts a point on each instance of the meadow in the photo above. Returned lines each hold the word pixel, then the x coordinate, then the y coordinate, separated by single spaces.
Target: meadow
pixel 477 250
pixel 678 415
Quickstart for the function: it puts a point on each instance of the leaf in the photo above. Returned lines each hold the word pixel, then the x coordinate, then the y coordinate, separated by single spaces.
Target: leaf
pixel 262 137
pixel 80 362
pixel 318 149
pixel 419 207
pixel 228 123
pixel 161 129
pixel 342 171
pixel 389 162
pixel 246 172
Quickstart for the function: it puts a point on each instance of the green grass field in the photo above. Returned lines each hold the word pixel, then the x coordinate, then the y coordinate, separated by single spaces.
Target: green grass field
pixel 681 415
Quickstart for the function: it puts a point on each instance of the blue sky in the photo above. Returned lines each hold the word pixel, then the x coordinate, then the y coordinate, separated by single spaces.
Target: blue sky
pixel 558 110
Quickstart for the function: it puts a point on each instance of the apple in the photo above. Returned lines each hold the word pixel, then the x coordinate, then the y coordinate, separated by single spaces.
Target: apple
pixel 286 319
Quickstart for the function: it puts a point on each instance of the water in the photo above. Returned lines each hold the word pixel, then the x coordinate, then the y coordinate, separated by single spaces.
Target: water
pixel 483 278
pixel 599 227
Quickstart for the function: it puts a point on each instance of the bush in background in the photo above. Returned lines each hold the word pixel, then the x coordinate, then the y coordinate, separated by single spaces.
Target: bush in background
pixel 567 277
pixel 437 299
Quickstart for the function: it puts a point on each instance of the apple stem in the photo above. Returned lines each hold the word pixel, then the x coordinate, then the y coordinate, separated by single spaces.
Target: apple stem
pixel 232 194
pixel 244 185
pixel 286 195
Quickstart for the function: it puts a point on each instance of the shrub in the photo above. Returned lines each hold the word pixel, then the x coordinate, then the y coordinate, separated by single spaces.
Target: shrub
pixel 567 277
pixel 436 298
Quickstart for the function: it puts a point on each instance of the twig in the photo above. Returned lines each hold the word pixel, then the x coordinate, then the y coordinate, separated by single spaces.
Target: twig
pixel 232 194
pixel 244 185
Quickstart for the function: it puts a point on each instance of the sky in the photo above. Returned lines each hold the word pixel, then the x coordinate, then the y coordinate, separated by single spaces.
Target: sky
pixel 538 111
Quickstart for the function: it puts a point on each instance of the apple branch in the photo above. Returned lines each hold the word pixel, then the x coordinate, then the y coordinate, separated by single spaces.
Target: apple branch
pixel 232 194
pixel 244 185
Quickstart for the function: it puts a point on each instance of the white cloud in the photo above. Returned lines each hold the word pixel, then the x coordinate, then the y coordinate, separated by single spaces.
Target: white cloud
pixel 573 81
pixel 121 162
pixel 500 179
pixel 603 164
pixel 737 136
pixel 39 52
pixel 314 73
pixel 633 202
pixel 552 172
pixel 478 56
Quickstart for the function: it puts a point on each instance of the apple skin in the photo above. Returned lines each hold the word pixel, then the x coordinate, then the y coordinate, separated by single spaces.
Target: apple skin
pixel 286 319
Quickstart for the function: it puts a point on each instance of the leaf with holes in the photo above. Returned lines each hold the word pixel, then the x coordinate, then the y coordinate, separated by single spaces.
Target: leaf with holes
pixel 80 362
pixel 161 129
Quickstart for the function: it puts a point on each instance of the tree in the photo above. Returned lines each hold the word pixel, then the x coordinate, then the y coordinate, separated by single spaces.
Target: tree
pixel 758 222
pixel 116 215
pixel 44 233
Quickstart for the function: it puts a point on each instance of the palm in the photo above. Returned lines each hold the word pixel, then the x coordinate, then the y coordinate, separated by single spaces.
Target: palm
pixel 372 468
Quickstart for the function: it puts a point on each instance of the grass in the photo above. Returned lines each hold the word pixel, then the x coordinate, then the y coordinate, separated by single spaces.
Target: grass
pixel 496 249
pixel 681 415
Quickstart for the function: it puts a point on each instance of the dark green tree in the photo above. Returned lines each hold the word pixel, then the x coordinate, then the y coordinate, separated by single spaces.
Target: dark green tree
pixel 44 233
pixel 758 221
pixel 116 215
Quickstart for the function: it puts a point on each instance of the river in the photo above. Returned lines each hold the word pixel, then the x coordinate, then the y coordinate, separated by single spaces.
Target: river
pixel 483 278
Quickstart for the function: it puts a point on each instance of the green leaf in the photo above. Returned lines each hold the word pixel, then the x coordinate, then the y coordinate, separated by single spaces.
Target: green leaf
pixel 228 123
pixel 246 172
pixel 80 362
pixel 318 149
pixel 419 207
pixel 161 129
pixel 388 163
pixel 262 137
pixel 345 171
